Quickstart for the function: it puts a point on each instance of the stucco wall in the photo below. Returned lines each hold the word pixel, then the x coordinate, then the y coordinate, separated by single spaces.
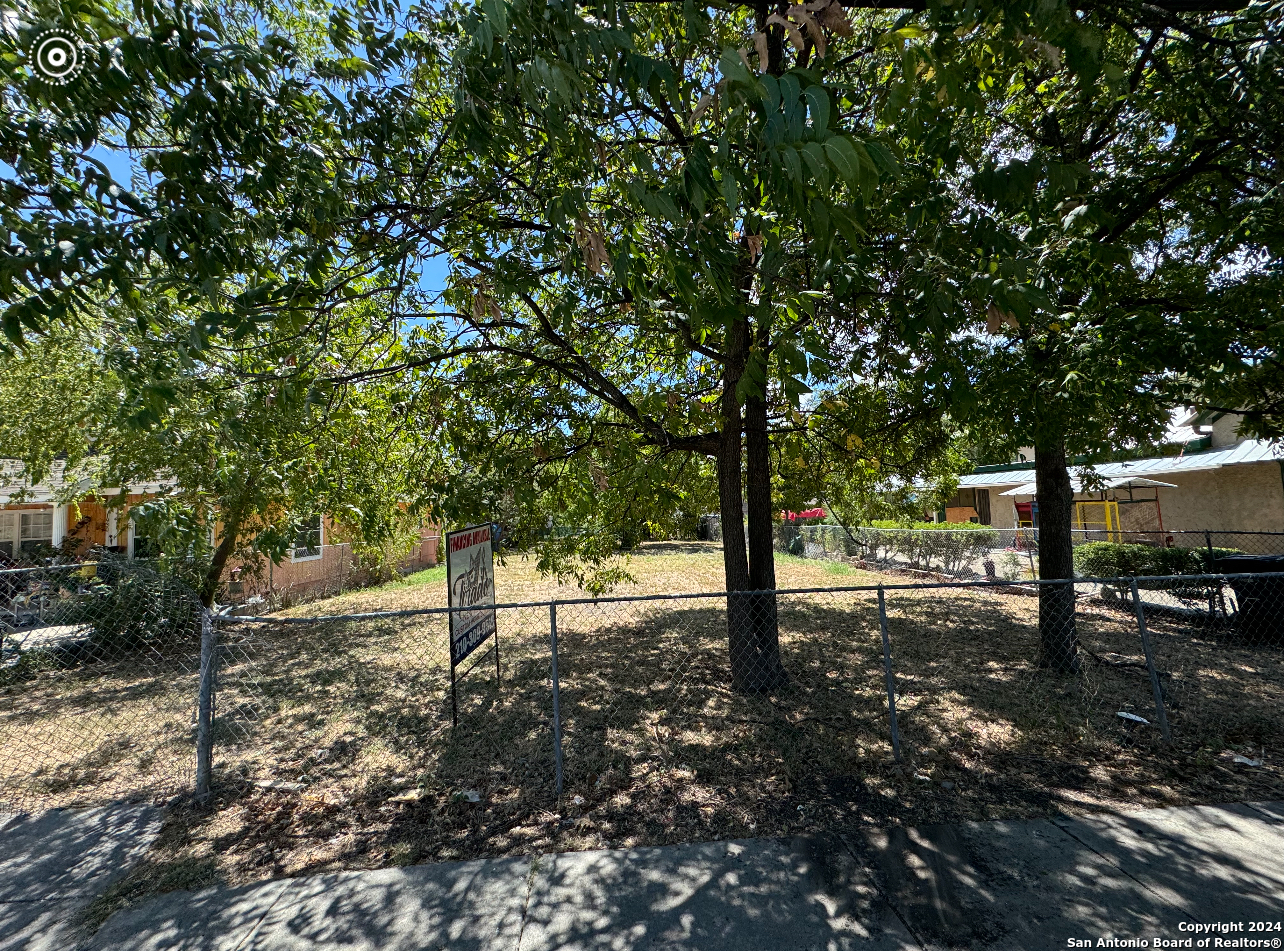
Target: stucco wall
pixel 1244 498
pixel 1002 511
pixel 1225 431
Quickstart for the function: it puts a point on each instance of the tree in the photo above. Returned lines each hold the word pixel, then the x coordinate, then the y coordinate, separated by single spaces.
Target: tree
pixel 671 250
pixel 1113 151
pixel 1241 347
pixel 249 441
pixel 869 452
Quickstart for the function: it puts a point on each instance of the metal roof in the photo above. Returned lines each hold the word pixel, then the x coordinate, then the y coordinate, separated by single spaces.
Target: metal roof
pixel 1122 482
pixel 1244 453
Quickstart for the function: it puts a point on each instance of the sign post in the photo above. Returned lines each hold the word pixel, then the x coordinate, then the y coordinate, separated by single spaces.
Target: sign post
pixel 470 580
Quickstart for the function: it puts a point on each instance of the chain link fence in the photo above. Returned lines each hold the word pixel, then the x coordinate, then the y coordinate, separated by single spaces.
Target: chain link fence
pixel 1011 554
pixel 639 710
pixel 99 678
pixel 645 719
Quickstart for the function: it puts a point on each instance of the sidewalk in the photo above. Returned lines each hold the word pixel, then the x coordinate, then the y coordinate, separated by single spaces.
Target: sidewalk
pixel 1025 885
pixel 53 864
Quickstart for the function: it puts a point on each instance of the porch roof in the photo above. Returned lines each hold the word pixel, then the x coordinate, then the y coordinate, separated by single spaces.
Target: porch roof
pixel 1245 453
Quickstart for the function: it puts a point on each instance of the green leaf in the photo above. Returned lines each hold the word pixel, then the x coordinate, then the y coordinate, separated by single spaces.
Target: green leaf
pixel 733 68
pixel 818 106
pixel 789 156
pixel 814 153
pixel 497 13
pixel 883 158
pixel 842 155
pixel 770 92
pixel 848 228
pixel 868 174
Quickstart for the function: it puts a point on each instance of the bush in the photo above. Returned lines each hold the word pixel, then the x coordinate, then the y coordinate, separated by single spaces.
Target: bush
pixel 945 546
pixel 129 608
pixel 1115 560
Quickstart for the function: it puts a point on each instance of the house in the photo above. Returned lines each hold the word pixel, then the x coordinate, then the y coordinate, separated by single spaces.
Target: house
pixel 33 520
pixel 1218 481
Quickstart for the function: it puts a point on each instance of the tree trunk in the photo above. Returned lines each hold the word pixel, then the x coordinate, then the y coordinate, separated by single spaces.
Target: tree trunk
pixel 741 634
pixel 769 674
pixel 226 546
pixel 1059 641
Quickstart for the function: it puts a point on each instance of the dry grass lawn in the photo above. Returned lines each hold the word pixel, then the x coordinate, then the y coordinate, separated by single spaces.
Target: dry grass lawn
pixel 117 729
pixel 657 567
pixel 338 749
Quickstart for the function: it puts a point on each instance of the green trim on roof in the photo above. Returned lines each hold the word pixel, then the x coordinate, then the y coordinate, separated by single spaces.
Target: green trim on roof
pixel 1008 467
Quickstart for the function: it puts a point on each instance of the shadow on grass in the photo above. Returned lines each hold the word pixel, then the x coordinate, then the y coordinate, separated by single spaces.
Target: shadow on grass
pixel 339 750
pixel 110 730
pixel 675 548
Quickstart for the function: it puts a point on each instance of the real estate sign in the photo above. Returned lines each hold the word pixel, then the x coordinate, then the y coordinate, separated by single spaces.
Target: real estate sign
pixel 470 575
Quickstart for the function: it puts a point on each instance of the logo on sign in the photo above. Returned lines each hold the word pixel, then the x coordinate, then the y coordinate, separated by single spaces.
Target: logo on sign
pixel 470 568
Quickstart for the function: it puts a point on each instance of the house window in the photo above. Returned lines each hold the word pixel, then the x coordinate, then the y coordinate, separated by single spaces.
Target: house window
pixel 8 533
pixel 25 531
pixel 35 530
pixel 141 545
pixel 307 540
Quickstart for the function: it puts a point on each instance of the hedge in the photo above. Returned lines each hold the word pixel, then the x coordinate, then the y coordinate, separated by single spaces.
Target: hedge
pixel 1115 560
pixel 948 547
pixel 945 546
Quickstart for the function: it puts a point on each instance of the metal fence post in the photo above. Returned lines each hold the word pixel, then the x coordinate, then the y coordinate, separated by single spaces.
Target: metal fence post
pixel 1150 665
pixel 205 704
pixel 557 698
pixel 1208 570
pixel 891 681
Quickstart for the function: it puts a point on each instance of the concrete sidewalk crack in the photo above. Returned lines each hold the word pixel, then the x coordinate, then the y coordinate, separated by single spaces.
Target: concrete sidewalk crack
pixel 526 902
pixel 253 932
pixel 878 888
pixel 1124 871
pixel 1265 815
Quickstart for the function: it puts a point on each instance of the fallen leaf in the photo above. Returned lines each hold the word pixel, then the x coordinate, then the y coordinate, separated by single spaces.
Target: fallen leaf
pixel 412 795
pixel 278 784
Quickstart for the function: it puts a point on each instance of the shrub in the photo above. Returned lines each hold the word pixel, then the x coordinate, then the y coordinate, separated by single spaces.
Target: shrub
pixel 129 608
pixel 1115 560
pixel 945 546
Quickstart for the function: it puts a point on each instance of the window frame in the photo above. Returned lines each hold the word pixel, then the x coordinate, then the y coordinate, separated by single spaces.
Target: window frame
pixel 130 551
pixel 12 540
pixel 295 550
pixel 44 541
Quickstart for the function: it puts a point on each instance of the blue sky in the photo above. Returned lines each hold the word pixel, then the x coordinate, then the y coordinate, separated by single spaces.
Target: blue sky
pixel 434 272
